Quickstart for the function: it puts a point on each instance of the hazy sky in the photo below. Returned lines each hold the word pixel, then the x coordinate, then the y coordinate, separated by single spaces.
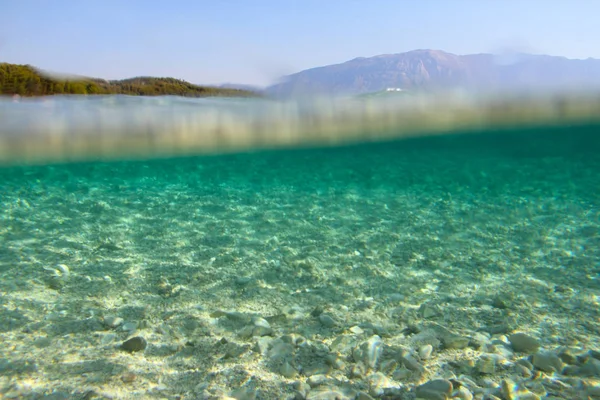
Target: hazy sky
pixel 256 41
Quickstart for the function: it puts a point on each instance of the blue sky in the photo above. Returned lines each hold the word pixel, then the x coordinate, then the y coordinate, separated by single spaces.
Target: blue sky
pixel 256 41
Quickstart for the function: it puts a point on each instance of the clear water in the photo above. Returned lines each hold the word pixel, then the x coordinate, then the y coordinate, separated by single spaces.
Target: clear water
pixel 497 229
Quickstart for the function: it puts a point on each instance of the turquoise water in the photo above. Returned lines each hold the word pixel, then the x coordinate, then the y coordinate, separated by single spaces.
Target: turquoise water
pixel 497 232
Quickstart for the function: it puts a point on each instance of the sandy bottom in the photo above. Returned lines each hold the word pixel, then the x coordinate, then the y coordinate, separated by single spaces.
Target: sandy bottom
pixel 360 272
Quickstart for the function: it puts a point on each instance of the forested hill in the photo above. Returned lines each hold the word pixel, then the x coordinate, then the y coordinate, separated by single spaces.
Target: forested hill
pixel 26 80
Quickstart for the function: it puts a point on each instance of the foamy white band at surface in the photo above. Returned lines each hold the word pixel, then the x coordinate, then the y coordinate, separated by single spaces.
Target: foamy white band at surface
pixel 59 129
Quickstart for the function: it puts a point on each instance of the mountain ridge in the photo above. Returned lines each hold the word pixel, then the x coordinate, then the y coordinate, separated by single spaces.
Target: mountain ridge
pixel 425 69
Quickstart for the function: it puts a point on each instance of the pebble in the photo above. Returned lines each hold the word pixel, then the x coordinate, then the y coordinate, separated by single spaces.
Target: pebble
pixel 378 382
pixel 326 321
pixel 455 342
pixel 134 344
pixel 368 352
pixel 112 321
pixel 425 351
pixel 486 365
pixel 129 326
pixel 107 339
pixel 462 393
pixel 316 380
pixel 287 370
pixel 327 393
pixel 523 343
pixel 357 330
pixel 437 389
pixel 547 362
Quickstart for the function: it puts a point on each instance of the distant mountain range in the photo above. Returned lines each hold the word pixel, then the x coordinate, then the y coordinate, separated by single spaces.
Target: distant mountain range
pixel 435 69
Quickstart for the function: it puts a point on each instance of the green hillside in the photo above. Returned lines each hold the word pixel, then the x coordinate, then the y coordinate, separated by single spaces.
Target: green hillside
pixel 26 80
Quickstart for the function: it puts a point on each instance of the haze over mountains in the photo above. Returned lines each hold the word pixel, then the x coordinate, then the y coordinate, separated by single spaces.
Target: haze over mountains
pixel 435 69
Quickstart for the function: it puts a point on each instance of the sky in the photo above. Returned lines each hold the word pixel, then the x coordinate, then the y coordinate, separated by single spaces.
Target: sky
pixel 258 41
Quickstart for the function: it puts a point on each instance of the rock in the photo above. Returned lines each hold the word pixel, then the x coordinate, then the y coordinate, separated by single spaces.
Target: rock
pixel 591 367
pixel 363 396
pixel 455 342
pixel 107 339
pixel 368 352
pixel 301 389
pixel 326 321
pixel 486 365
pixel 462 393
pixel 262 345
pixel 567 356
pixel 425 351
pixel 378 382
pixel 262 331
pixel 357 330
pixel 316 380
pixel 523 343
pixel 437 389
pixel 112 321
pixel 511 391
pixel 411 363
pixel 547 362
pixel 327 393
pixel 134 344
pixel 357 371
pixel 428 311
pixel 500 303
pixel 287 370
pixel 129 326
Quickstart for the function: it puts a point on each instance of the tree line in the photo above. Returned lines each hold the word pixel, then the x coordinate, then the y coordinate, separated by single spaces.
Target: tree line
pixel 25 80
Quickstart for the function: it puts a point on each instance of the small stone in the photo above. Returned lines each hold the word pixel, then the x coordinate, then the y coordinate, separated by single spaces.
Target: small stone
pixel 259 321
pixel 327 393
pixel 455 342
pixel 326 321
pixel 363 396
pixel 368 352
pixel 357 330
pixel 425 351
pixel 129 326
pixel 357 371
pixel 411 363
pixel 128 377
pixel 262 331
pixel 499 303
pixel 486 365
pixel 523 371
pixel 378 383
pixel 287 370
pixel 567 356
pixel 591 367
pixel 437 389
pixel 547 362
pixel 134 344
pixel 523 343
pixel 428 311
pixel 462 393
pixel 316 380
pixel 112 321
pixel 301 389
pixel 262 345
pixel 107 339
pixel 42 342
pixel 246 332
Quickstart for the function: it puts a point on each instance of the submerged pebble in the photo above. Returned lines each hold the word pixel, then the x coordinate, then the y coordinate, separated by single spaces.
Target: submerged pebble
pixel 134 344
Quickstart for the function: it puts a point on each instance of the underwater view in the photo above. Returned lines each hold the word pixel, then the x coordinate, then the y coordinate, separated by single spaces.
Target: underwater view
pixel 462 265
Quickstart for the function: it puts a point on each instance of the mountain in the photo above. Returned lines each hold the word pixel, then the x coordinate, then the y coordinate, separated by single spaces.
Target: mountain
pixel 435 69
